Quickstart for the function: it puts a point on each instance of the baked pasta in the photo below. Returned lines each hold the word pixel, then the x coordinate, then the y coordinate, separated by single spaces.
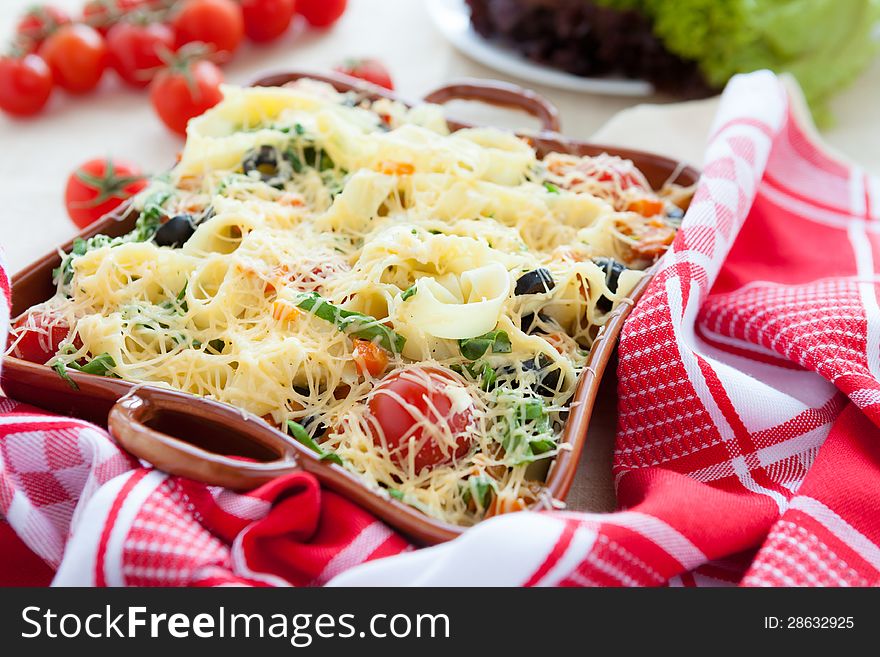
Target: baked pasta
pixel 413 304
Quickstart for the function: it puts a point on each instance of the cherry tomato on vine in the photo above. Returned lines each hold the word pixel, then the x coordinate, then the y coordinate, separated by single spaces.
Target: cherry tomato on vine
pixel 39 22
pixel 77 55
pixel 136 47
pixel 25 84
pixel 321 13
pixel 369 69
pixel 266 20
pixel 217 23
pixel 103 14
pixel 187 88
pixel 422 407
pixel 99 186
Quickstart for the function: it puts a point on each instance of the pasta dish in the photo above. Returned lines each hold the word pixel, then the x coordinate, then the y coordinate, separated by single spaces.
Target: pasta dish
pixel 412 304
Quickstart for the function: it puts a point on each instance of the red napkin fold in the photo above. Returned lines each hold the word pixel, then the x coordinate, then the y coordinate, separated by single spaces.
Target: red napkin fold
pixel 94 514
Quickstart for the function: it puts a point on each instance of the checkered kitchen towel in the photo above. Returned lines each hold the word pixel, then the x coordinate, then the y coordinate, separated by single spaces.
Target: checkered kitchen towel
pixel 747 451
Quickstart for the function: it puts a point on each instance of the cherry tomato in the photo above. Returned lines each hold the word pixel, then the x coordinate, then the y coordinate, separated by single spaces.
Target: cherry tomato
pixel 39 22
pixel 103 14
pixel 135 50
pixel 98 186
pixel 369 357
pixel 217 23
pixel 25 84
pixel 184 90
pixel 266 20
pixel 40 336
pixel 321 13
pixel 403 398
pixel 77 55
pixel 369 69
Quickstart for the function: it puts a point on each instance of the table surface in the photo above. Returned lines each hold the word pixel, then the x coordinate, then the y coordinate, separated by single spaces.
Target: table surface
pixel 38 154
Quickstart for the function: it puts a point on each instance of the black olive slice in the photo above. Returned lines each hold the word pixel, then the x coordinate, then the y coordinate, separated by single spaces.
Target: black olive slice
pixel 309 420
pixel 269 164
pixel 548 379
pixel 175 232
pixel 534 282
pixel 531 323
pixel 613 270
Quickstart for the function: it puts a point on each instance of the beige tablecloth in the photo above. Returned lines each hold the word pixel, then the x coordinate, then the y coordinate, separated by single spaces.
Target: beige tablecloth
pixel 37 155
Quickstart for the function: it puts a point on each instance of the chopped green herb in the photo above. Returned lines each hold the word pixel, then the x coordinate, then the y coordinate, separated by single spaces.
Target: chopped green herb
pixel 474 348
pixel 61 370
pixel 483 372
pixel 396 494
pixel 408 292
pixel 487 377
pixel 541 446
pixel 348 321
pixel 480 489
pixel 99 365
pixel 302 436
pixel 151 216
pixel 532 409
pixel 550 187
pixel 527 434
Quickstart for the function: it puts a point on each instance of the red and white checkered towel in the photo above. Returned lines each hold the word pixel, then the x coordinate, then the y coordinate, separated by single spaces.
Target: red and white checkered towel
pixel 748 450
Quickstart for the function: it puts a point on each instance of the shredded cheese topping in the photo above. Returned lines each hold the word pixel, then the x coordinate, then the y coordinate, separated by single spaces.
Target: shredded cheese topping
pixel 322 220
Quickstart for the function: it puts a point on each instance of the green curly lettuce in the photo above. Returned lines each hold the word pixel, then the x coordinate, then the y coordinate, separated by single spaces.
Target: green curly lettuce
pixel 823 43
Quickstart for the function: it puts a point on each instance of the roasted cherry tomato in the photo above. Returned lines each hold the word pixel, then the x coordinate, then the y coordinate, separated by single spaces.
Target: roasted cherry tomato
pixel 77 55
pixel 425 409
pixel 98 187
pixel 136 48
pixel 217 23
pixel 25 84
pixel 185 89
pixel 369 69
pixel 38 335
pixel 266 20
pixel 321 13
pixel 39 22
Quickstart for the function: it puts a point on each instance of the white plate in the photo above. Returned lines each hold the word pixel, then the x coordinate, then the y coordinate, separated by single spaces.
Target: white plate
pixel 452 18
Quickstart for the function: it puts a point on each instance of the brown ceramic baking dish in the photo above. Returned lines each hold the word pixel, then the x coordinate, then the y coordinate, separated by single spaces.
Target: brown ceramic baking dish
pixel 206 440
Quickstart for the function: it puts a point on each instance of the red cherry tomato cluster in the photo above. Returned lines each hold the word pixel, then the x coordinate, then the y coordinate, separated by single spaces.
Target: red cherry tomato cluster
pixel 174 46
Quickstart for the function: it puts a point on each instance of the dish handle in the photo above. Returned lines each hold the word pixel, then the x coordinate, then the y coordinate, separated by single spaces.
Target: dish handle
pixel 503 94
pixel 219 445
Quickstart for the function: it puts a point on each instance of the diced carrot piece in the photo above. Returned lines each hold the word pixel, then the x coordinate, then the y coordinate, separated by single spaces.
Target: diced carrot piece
pixel 283 311
pixel 396 168
pixel 647 207
pixel 369 358
pixel 498 506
